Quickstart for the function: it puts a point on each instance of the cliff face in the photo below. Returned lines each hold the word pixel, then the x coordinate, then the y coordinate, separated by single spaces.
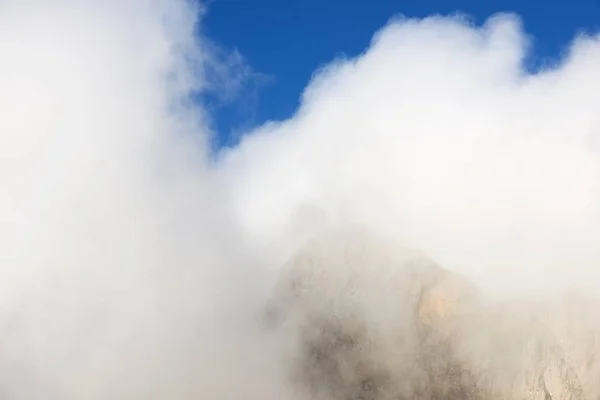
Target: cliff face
pixel 365 318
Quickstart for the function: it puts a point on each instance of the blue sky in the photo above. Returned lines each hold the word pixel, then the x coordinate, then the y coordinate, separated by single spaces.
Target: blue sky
pixel 286 40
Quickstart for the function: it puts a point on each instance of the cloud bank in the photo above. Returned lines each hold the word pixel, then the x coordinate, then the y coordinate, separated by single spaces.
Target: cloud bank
pixel 133 265
pixel 438 135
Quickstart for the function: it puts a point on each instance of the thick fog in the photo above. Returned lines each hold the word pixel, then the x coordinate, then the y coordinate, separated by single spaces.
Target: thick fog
pixel 135 264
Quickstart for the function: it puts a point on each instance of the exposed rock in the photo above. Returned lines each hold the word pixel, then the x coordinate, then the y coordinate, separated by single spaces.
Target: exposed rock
pixel 368 319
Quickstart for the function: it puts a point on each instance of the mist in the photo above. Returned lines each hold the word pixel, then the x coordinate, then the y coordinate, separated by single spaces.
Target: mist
pixel 135 266
pixel 438 135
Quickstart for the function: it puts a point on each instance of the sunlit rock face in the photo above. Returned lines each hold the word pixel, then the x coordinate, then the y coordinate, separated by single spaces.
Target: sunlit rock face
pixel 365 318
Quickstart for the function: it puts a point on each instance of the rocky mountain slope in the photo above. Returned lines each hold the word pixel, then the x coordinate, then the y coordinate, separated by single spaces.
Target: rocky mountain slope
pixel 365 318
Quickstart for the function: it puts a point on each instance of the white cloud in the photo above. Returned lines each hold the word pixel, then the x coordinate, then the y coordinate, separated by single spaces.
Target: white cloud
pixel 112 237
pixel 129 262
pixel 438 134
